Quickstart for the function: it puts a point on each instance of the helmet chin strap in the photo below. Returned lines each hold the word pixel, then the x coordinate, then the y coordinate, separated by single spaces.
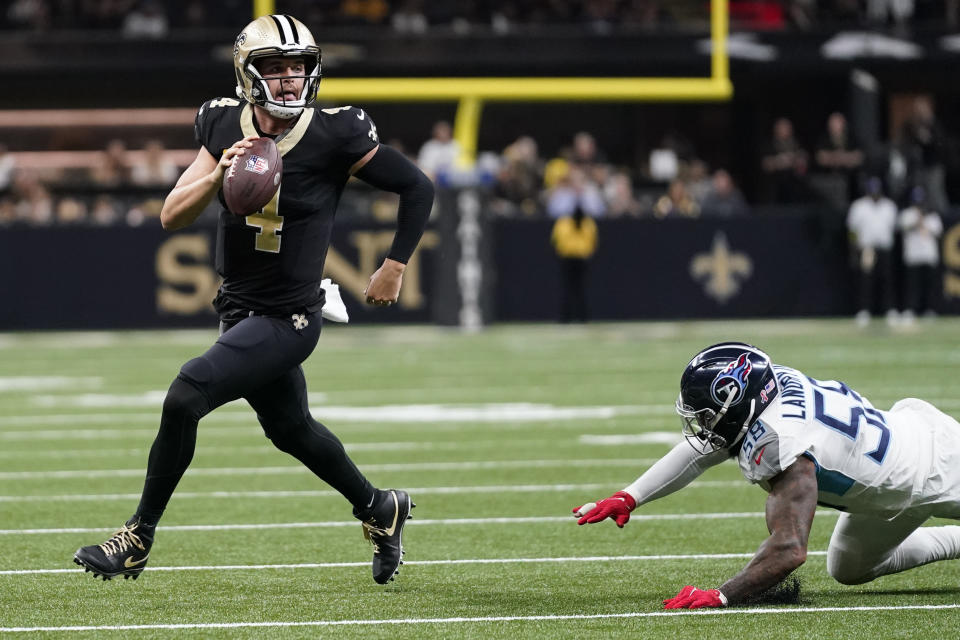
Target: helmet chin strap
pixel 284 113
pixel 746 424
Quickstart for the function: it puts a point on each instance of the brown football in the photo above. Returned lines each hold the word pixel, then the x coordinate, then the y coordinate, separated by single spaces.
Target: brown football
pixel 253 178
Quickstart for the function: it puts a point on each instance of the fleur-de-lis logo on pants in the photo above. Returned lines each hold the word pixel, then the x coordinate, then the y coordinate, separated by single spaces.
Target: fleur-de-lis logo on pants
pixel 300 321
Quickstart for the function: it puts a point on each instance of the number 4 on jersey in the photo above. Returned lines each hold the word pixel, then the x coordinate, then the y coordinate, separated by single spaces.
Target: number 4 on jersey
pixel 269 224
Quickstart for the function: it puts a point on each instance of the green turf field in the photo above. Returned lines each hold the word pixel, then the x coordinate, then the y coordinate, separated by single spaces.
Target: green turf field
pixel 496 436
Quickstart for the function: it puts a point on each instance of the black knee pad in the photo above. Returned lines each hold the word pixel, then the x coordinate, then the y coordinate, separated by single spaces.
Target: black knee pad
pixel 185 399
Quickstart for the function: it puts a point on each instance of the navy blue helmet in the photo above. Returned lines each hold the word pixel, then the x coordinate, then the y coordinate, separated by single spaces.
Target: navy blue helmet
pixel 723 390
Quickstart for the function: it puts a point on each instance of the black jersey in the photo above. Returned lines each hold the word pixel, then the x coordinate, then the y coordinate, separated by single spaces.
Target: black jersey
pixel 271 261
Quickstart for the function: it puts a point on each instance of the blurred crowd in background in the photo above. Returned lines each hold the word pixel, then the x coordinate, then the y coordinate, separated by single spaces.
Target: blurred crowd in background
pixel 152 18
pixel 124 186
pixel 667 177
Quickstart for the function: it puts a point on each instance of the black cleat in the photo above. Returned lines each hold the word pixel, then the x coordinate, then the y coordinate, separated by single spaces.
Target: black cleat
pixel 125 553
pixel 383 529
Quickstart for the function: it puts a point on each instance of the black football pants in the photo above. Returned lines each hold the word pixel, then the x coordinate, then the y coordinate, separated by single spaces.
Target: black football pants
pixel 257 359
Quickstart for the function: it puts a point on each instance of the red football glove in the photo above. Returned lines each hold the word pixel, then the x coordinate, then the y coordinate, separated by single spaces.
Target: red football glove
pixel 618 506
pixel 693 598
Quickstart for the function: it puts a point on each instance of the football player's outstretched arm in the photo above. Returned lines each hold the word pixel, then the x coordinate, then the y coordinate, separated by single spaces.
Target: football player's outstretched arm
pixel 388 169
pixel 790 508
pixel 198 185
pixel 669 474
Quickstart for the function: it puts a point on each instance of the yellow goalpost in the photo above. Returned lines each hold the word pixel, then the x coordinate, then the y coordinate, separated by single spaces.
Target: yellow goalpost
pixel 471 93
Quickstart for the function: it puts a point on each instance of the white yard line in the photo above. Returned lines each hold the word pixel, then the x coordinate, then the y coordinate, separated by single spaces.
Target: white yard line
pixel 337 565
pixel 390 467
pixel 329 493
pixel 417 522
pixel 480 619
pixel 393 413
pixel 48 383
pixel 74 454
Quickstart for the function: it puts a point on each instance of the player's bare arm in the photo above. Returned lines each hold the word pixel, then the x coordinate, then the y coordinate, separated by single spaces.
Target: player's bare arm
pixel 197 186
pixel 790 509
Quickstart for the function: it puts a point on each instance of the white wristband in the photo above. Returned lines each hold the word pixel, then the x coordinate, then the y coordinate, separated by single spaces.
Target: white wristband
pixel 723 598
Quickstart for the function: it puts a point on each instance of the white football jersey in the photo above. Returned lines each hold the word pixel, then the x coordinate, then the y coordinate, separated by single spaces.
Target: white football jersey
pixel 867 461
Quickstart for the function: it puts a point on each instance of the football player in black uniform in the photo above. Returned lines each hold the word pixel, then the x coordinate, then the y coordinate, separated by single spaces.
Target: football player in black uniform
pixel 270 301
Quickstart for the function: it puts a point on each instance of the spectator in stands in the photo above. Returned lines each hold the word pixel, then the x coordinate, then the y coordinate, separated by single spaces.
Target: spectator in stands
pixel 8 212
pixel 575 191
pixel 921 142
pixel 139 213
pixel 409 18
pixel 838 161
pixel 517 187
pixel 104 211
pixel 8 166
pixel 439 154
pixel 618 193
pixel 147 20
pixel 872 220
pixel 70 211
pixel 898 11
pixel 586 155
pixel 784 165
pixel 663 164
pixel 696 177
pixel 29 14
pixel 574 240
pixel 156 169
pixel 724 199
pixel 676 202
pixel 113 170
pixel 32 201
pixel 921 228
pixel 361 12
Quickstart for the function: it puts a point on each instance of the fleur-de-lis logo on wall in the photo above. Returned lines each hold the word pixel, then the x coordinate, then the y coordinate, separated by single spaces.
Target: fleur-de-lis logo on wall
pixel 721 270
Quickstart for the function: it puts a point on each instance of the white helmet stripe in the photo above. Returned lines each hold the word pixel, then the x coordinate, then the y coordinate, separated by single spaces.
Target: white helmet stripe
pixel 293 28
pixel 284 28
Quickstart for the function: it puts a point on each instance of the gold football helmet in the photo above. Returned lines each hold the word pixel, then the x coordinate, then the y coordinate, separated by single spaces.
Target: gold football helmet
pixel 275 35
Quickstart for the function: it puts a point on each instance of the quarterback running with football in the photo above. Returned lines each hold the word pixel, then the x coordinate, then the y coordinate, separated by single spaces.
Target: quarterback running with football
pixel 808 441
pixel 271 298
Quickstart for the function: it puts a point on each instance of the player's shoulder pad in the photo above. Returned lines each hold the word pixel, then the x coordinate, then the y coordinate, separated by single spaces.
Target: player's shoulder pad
pixel 349 122
pixel 211 111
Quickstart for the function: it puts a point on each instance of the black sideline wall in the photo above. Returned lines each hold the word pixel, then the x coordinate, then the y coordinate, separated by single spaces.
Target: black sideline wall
pixel 760 266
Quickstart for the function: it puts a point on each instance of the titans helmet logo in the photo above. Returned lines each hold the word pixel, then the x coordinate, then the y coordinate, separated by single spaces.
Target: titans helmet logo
pixel 733 379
